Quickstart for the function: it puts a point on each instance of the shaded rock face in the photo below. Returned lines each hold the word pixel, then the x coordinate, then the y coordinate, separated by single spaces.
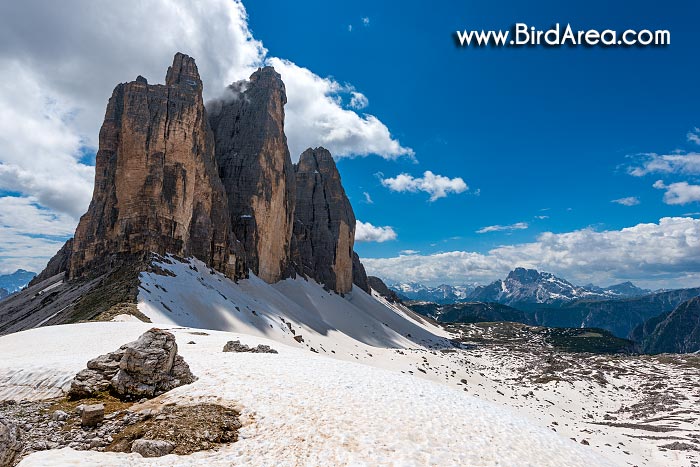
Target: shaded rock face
pixel 324 223
pixel 677 331
pixel 146 367
pixel 58 264
pixel 257 171
pixel 359 276
pixel 381 288
pixel 10 442
pixel 156 182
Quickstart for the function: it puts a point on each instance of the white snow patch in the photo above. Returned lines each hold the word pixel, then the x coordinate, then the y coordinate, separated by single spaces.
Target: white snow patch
pixel 303 409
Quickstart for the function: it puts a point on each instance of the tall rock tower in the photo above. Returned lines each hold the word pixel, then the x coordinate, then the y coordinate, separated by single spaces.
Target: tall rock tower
pixel 257 171
pixel 324 228
pixel 156 183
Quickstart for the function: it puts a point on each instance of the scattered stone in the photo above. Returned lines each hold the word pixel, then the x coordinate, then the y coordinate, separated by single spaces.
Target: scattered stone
pixel 146 367
pixel 299 339
pixel 152 447
pixel 11 442
pixel 92 415
pixel 59 416
pixel 236 346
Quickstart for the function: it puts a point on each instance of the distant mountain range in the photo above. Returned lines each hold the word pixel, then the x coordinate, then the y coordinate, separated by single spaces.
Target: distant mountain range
pixel 661 321
pixel 11 283
pixel 441 294
pixel 523 288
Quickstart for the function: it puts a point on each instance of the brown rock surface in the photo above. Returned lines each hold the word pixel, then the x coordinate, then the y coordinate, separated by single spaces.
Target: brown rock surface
pixel 256 170
pixel 324 223
pixel 156 184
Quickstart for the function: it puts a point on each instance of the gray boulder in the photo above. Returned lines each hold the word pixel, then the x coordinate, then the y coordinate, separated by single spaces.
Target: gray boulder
pixel 11 443
pixel 146 367
pixel 152 447
pixel 236 346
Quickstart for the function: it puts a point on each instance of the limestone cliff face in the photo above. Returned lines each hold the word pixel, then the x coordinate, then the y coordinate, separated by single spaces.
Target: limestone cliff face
pixel 359 276
pixel 156 183
pixel 257 171
pixel 324 228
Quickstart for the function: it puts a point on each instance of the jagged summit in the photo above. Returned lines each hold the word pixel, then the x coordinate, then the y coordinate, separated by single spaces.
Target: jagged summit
pixel 156 183
pixel 257 172
pixel 183 71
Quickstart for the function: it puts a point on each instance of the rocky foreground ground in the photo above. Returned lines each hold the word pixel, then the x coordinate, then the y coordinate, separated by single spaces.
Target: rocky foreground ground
pixel 645 407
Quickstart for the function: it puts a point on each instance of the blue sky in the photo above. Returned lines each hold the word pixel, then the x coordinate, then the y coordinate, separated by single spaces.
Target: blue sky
pixel 545 138
pixel 538 131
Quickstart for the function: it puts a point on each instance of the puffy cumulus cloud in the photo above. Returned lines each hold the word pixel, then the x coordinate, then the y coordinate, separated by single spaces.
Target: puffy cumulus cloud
pixel 358 100
pixel 679 193
pixel 20 247
pixel 687 164
pixel 694 135
pixel 61 61
pixel 663 254
pixel 502 228
pixel 409 252
pixel 437 186
pixel 628 201
pixel 366 232
pixel 315 117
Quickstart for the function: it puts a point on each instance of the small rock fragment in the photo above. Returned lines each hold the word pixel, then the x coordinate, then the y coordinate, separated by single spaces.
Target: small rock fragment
pixel 152 447
pixel 92 415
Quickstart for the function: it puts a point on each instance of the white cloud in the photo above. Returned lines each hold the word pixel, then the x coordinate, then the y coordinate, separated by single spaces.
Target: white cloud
pixel 349 27
pixel 365 21
pixel 437 186
pixel 29 233
pixel 628 201
pixel 358 100
pixel 409 252
pixel 316 118
pixel 366 232
pixel 541 217
pixel 666 254
pixel 688 164
pixel 679 193
pixel 61 61
pixel 502 228
pixel 368 198
pixel 694 135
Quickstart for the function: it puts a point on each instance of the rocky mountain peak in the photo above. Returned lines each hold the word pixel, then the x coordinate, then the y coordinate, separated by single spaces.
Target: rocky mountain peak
pixel 257 172
pixel 268 78
pixel 182 72
pixel 156 183
pixel 324 224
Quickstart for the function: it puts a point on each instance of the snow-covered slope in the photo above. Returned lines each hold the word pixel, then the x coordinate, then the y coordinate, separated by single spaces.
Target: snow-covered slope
pixel 191 294
pixel 302 409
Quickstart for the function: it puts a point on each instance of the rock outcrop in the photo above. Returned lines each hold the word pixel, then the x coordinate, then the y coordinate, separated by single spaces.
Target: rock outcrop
pixel 58 264
pixel 359 276
pixel 10 442
pixel 236 346
pixel 146 367
pixel 257 171
pixel 677 331
pixel 156 180
pixel 381 288
pixel 324 223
